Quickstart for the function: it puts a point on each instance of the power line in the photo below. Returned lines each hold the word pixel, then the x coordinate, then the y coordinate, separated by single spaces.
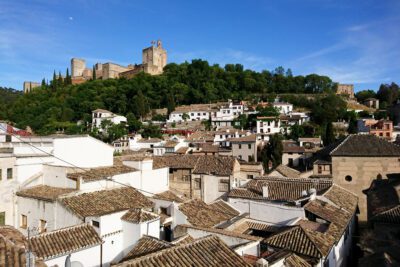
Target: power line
pixel 112 180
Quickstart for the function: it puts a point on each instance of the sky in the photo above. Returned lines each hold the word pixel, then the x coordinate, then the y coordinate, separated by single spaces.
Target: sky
pixel 355 41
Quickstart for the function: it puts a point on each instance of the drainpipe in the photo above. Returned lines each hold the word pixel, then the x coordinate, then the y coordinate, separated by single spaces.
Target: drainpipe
pixel 101 254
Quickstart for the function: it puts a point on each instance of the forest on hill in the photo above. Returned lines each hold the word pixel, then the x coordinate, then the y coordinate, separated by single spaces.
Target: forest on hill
pixel 60 105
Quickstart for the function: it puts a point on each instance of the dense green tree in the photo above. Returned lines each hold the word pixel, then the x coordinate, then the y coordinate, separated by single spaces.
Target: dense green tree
pixel 134 124
pixel 170 103
pixel 388 93
pixel 271 154
pixel 296 131
pixel 365 94
pixel 151 131
pixel 329 136
pixel 94 73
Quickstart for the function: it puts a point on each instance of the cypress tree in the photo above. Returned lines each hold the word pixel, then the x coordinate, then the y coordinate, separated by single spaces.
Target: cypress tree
pixel 54 81
pixel 94 73
pixel 60 79
pixel 67 80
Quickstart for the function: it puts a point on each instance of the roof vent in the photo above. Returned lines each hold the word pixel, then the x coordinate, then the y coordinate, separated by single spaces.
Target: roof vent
pixel 265 191
pixel 262 263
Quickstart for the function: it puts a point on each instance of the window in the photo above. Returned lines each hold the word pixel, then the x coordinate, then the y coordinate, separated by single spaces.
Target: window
pixel 2 218
pixel 220 136
pixel 192 114
pixel 348 178
pixel 388 134
pixel 250 176
pixel 24 221
pixel 1 174
pixel 249 145
pixel 223 185
pixel 204 114
pixel 43 226
pixel 185 178
pixel 319 169
pixel 8 138
pixel 171 170
pixel 290 162
pixel 240 146
pixel 96 224
pixel 197 183
pixel 9 173
pixel 198 114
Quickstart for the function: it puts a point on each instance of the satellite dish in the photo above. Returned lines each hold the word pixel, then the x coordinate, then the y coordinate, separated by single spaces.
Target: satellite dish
pixel 76 264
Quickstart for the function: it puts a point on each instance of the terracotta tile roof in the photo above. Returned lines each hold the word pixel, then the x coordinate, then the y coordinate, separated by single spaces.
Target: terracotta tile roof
pixel 218 165
pixel 44 192
pixel 302 241
pixel 342 198
pixel 186 239
pixel 200 214
pixel 295 261
pixel 280 189
pixel 223 207
pixel 150 140
pixel 139 216
pixel 175 161
pixel 244 139
pixel 182 150
pixel 310 139
pixel 292 148
pixel 200 164
pixel 247 225
pixel 383 199
pixel 209 251
pixel 391 216
pixel 365 146
pixel 104 202
pixel 102 173
pixel 201 136
pixel 170 144
pixel 338 218
pixel 64 241
pixel 217 231
pixel 146 245
pixel 12 247
pixel 169 196
pixel 287 171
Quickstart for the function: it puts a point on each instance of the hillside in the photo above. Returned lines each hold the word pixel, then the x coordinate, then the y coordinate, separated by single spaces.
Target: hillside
pixel 57 106
pixel 7 98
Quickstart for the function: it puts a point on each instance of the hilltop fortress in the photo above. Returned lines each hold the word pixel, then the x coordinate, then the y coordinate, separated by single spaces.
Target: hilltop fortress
pixel 154 59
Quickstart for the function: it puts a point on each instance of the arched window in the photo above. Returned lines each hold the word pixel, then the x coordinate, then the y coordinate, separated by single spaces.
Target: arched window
pixel 379 177
pixel 348 178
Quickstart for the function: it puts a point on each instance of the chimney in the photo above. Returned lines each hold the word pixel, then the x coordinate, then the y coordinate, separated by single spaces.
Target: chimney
pixel 313 193
pixel 262 263
pixel 265 191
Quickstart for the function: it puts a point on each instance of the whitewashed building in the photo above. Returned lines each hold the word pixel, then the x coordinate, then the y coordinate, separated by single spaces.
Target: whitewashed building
pixel 283 107
pixel 100 115
pixel 226 114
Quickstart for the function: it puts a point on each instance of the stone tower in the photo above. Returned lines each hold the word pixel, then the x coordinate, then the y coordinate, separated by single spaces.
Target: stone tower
pixel 77 67
pixel 154 58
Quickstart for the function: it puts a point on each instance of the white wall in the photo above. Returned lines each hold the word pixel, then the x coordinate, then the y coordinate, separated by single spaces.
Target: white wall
pixel 88 257
pixel 83 151
pixel 210 187
pixel 267 212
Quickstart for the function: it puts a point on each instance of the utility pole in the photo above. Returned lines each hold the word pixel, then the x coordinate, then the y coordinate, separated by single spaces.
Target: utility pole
pixel 29 247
